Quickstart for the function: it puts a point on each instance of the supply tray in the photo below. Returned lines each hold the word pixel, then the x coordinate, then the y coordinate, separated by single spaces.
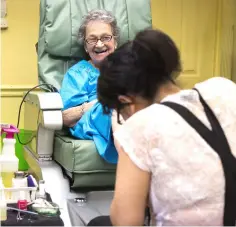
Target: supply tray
pixel 12 195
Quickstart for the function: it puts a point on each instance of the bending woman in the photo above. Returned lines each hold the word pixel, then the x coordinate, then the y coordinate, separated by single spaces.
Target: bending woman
pixel 165 159
pixel 82 113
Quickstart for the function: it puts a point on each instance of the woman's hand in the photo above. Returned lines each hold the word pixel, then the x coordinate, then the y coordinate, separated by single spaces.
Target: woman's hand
pixel 72 115
pixel 88 105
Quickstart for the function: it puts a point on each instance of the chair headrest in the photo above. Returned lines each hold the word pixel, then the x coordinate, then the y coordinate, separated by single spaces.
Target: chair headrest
pixel 61 20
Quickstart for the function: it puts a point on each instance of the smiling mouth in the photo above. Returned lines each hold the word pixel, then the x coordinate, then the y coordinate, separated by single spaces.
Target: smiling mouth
pixel 100 51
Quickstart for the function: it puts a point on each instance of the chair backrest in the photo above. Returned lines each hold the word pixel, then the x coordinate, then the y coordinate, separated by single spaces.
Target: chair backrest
pixel 58 48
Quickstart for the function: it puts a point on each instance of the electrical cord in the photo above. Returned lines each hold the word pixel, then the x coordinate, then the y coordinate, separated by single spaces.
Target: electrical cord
pixel 51 89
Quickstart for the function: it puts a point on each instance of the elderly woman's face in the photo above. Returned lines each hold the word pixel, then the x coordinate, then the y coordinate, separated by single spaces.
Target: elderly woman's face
pixel 99 41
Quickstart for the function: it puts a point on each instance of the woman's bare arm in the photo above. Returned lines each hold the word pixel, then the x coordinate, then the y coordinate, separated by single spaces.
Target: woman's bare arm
pixel 72 115
pixel 131 192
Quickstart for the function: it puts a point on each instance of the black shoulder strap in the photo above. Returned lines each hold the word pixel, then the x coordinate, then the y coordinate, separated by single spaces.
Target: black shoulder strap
pixel 217 140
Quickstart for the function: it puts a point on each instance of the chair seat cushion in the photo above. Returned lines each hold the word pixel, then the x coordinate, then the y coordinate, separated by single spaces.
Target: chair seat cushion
pixel 81 157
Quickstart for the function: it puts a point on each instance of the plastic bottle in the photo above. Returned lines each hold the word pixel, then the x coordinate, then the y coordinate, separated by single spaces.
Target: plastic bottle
pixel 18 182
pixel 3 204
pixel 41 193
pixel 8 160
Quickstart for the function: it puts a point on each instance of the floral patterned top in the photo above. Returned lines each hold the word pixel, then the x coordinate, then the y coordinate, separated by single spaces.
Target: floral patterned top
pixel 187 179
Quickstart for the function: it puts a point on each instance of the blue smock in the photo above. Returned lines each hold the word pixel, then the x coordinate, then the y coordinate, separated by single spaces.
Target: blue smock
pixel 80 85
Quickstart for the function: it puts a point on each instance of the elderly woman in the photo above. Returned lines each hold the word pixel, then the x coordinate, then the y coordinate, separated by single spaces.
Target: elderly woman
pixel 82 113
pixel 177 147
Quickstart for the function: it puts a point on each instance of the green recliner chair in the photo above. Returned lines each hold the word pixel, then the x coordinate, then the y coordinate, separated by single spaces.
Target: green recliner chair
pixel 80 165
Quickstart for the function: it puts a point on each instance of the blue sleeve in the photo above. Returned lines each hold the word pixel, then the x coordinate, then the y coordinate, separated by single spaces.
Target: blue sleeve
pixel 74 87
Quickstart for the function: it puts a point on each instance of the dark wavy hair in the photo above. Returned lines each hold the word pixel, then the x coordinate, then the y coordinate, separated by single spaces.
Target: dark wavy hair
pixel 138 67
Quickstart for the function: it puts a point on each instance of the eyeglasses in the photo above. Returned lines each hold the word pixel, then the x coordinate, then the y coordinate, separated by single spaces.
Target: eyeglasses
pixel 94 40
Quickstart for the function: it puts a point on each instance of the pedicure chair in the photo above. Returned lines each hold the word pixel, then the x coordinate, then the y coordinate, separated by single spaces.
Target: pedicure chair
pixel 76 177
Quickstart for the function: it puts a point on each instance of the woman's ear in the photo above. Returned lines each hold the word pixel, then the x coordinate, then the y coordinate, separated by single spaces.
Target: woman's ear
pixel 85 48
pixel 115 45
pixel 128 110
pixel 124 99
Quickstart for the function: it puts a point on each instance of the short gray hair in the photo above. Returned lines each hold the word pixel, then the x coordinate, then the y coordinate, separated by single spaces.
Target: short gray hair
pixel 99 15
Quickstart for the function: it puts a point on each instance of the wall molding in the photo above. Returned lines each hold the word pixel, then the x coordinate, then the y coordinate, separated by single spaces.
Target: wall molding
pixel 15 91
pixel 3 22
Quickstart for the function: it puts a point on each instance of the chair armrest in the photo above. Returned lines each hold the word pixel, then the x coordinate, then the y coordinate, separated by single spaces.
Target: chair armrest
pixel 49 105
pixel 45 100
pixel 42 116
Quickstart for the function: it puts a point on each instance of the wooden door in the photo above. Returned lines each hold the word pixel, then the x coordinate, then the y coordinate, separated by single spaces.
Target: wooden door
pixel 227 39
pixel 193 26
